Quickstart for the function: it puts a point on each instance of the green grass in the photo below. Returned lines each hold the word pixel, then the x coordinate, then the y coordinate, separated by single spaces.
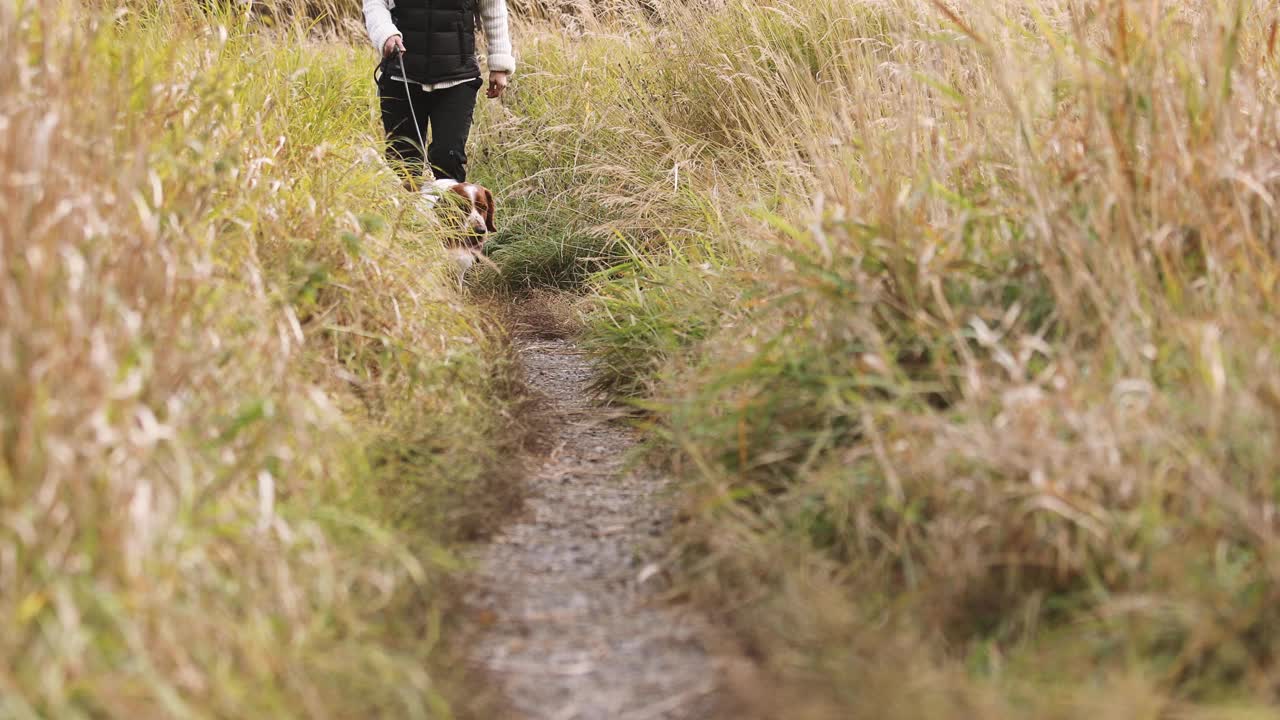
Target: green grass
pixel 959 329
pixel 244 415
pixel 957 325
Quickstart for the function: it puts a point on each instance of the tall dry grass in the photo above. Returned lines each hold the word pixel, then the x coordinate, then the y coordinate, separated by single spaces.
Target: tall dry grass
pixel 959 321
pixel 345 17
pixel 242 411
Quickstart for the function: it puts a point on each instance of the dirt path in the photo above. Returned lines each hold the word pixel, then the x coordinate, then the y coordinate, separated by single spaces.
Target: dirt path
pixel 579 632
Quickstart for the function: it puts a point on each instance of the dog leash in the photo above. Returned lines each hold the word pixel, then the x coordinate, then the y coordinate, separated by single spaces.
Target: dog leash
pixel 416 127
pixel 413 112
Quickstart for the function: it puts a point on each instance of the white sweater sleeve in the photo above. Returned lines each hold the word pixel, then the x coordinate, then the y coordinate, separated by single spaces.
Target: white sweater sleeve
pixel 377 20
pixel 497 33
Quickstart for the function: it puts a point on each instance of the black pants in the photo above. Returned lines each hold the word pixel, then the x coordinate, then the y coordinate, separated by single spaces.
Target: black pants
pixel 446 113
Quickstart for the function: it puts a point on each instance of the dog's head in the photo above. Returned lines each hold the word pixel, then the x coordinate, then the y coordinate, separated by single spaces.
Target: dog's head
pixel 477 206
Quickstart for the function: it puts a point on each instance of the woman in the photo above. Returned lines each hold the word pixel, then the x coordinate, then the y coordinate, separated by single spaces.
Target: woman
pixel 436 42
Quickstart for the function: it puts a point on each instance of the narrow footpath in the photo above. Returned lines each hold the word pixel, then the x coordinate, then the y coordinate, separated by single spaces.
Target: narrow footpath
pixel 579 629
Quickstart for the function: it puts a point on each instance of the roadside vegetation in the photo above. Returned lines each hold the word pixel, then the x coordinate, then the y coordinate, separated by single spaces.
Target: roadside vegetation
pixel 244 414
pixel 957 320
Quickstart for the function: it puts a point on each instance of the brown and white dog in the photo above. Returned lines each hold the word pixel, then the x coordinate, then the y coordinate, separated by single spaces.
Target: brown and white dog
pixel 468 210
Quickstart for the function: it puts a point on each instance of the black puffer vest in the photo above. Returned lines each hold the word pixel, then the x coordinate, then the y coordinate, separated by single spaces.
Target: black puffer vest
pixel 439 39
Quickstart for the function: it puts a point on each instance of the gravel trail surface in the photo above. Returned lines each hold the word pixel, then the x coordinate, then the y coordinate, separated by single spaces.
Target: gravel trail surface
pixel 579 630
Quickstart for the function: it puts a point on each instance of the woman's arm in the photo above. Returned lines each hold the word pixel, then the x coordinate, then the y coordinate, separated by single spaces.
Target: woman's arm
pixel 497 34
pixel 377 20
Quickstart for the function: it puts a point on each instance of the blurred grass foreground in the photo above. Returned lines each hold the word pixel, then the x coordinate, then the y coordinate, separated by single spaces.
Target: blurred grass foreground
pixel 240 425
pixel 957 320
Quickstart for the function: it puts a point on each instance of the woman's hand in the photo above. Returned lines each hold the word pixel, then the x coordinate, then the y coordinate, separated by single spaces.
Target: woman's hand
pixel 497 84
pixel 394 44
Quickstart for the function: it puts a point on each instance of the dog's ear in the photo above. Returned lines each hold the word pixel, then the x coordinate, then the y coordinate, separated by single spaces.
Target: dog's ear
pixel 488 212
